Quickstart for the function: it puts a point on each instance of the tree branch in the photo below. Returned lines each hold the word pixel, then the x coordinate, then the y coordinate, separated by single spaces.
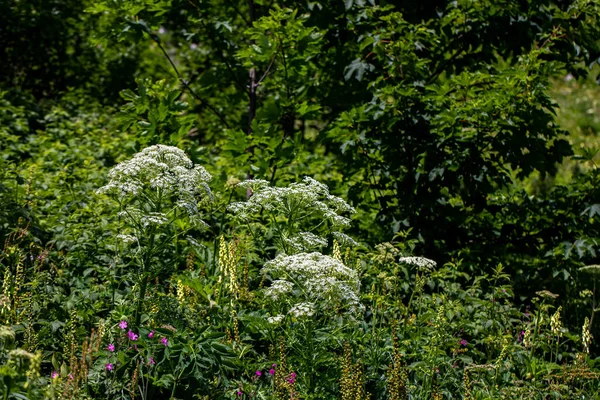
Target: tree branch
pixel 185 84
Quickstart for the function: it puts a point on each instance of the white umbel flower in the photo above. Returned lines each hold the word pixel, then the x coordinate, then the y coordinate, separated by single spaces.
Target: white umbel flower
pixel 162 168
pixel 301 310
pixel 278 288
pixel 305 241
pixel 308 196
pixel 158 180
pixel 276 319
pixel 420 262
pixel 318 279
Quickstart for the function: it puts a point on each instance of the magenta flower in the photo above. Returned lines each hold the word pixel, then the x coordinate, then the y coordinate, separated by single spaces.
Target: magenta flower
pixel 292 378
pixel 463 342
pixel 109 367
pixel 274 365
pixel 151 361
pixel 54 375
pixel 164 341
pixel 239 393
pixel 151 334
pixel 258 373
pixel 132 336
pixel 271 372
pixel 111 347
pixel 123 324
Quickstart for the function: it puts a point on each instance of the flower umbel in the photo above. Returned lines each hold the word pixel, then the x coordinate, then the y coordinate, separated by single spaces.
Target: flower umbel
pixel 319 282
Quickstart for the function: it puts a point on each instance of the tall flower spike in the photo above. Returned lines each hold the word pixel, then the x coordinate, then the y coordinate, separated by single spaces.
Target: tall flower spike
pixel 586 336
pixel 556 323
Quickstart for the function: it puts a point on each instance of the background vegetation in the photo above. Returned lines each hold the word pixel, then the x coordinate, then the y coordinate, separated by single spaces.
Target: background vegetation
pixel 455 131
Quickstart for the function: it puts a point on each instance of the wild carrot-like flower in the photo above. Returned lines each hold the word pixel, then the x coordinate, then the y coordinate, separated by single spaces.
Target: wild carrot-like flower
pixel 123 324
pixel 307 201
pixel 317 280
pixel 419 262
pixel 275 319
pixel 159 169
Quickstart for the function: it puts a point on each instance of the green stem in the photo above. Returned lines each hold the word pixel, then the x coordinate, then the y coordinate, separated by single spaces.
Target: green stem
pixel 310 357
pixel 142 294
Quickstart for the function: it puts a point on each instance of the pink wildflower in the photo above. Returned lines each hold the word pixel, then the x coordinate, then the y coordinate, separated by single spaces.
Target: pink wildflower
pixel 123 324
pixel 151 334
pixel 258 373
pixel 151 361
pixel 164 341
pixel 132 335
pixel 271 371
pixel 292 378
pixel 463 342
pixel 109 367
pixel 54 375
pixel 111 347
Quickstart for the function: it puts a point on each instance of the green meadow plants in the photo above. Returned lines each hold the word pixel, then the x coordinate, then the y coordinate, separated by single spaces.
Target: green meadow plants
pixel 366 200
pixel 158 193
pixel 293 309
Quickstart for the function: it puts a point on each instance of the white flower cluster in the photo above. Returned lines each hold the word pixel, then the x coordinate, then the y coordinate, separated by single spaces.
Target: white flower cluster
pixel 159 167
pixel 344 239
pixel 127 238
pixel 276 319
pixel 420 262
pixel 317 279
pixel 278 288
pixel 301 310
pixel 305 241
pixel 299 199
pixel 155 176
